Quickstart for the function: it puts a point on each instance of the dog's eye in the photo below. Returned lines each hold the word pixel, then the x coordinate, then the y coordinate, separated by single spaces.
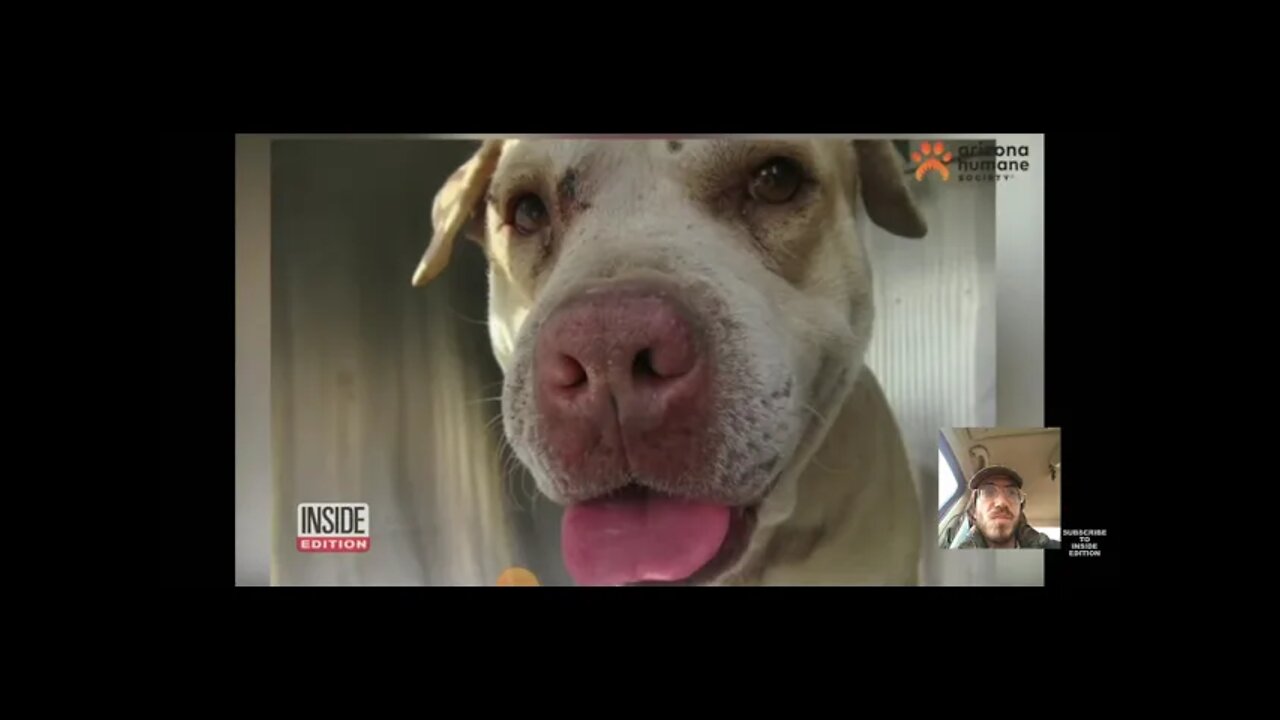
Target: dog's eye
pixel 777 181
pixel 530 215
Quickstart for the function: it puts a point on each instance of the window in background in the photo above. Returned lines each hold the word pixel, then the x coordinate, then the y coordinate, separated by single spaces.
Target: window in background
pixel 946 481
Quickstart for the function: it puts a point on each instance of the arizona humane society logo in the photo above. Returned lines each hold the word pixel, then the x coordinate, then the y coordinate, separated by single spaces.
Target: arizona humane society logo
pixel 333 527
pixel 971 162
pixel 932 158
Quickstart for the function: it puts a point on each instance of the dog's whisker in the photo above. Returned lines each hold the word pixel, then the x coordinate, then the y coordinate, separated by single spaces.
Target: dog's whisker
pixel 464 318
pixel 509 481
pixel 527 486
pixel 505 456
pixel 827 468
pixel 512 460
pixel 533 493
pixel 503 449
pixel 477 401
pixel 821 418
pixel 514 469
pixel 509 464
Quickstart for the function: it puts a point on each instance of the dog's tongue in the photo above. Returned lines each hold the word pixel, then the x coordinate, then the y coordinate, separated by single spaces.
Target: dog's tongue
pixel 617 541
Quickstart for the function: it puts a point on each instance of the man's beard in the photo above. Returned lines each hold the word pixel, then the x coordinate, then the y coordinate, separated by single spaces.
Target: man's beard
pixel 992 532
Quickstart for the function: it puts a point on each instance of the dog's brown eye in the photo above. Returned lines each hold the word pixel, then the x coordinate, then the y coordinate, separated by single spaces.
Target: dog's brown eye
pixel 530 215
pixel 776 181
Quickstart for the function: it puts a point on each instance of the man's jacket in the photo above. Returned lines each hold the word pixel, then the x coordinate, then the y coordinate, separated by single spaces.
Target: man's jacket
pixel 967 536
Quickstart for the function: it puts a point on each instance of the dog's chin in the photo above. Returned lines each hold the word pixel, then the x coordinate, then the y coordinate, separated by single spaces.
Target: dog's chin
pixel 638 536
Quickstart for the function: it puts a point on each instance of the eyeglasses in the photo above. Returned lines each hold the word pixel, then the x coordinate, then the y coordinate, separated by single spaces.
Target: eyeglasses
pixel 991 492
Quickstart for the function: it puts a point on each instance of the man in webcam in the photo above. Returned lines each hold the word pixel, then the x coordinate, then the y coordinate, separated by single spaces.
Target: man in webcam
pixel 995 517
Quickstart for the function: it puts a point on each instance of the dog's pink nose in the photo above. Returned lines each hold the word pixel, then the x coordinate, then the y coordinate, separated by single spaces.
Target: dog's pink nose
pixel 622 385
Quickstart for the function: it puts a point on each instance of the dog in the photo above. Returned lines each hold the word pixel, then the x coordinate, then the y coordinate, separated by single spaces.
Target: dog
pixel 681 327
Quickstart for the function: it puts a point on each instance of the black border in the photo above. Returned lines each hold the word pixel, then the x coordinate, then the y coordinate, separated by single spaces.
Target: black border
pixel 172 426
pixel 1083 378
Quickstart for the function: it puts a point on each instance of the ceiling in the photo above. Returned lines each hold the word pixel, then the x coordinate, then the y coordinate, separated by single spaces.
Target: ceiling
pixel 1030 451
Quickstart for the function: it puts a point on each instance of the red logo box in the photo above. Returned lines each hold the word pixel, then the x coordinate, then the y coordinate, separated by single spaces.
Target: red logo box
pixel 333 527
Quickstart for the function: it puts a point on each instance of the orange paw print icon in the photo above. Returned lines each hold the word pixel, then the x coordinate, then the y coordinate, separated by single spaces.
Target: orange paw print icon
pixel 932 158
pixel 517 577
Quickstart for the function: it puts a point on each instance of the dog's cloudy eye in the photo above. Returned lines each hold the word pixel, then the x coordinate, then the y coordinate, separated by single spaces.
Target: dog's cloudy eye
pixel 530 215
pixel 776 181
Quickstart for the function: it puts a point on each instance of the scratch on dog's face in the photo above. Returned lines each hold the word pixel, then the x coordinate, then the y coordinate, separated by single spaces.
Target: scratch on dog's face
pixel 756 238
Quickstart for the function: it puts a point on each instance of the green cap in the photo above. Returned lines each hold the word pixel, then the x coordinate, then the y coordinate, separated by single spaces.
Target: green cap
pixel 994 471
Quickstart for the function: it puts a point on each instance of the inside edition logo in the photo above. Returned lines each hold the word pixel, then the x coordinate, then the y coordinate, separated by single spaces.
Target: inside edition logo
pixel 333 527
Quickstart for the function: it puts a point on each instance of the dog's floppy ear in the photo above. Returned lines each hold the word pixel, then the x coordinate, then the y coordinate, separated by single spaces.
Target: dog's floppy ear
pixel 884 189
pixel 455 206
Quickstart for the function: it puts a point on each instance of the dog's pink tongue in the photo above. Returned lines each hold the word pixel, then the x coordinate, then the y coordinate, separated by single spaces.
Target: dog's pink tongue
pixel 611 542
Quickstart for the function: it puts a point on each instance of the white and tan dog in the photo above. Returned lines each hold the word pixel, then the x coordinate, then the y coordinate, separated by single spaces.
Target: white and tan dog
pixel 682 326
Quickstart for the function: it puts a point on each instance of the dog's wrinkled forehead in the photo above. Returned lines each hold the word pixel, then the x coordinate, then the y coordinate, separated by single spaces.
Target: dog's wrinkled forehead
pixel 577 169
pixel 532 184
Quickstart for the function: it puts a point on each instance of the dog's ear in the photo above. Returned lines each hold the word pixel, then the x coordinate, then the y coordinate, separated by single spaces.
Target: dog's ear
pixel 884 189
pixel 457 205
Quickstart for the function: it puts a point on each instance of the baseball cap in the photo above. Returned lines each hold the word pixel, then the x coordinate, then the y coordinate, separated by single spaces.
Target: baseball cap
pixel 994 471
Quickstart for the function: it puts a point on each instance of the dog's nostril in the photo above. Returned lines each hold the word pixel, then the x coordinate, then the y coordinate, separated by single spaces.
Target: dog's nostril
pixel 567 372
pixel 643 365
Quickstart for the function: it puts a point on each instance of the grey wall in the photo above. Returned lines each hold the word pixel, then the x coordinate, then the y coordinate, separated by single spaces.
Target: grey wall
pixel 378 387
pixel 934 344
pixel 253 362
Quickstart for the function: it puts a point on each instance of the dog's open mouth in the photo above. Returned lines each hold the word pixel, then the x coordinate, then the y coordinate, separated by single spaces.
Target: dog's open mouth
pixel 638 536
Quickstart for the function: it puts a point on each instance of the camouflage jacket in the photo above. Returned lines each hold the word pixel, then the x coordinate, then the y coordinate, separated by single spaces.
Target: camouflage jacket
pixel 967 536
